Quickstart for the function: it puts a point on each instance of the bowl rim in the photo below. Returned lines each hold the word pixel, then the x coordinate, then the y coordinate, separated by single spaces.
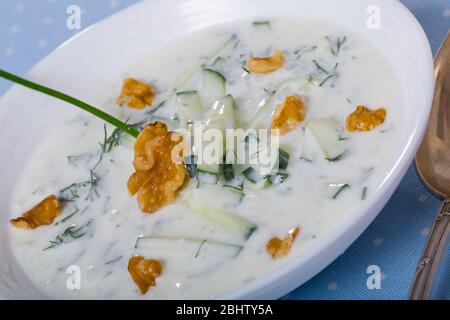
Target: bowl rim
pixel 358 221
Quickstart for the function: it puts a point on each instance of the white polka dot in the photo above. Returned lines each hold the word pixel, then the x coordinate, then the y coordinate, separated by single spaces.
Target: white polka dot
pixel 14 29
pixel 9 52
pixel 378 241
pixel 19 7
pixel 47 20
pixel 332 286
pixel 425 231
pixel 422 198
pixel 113 3
pixel 42 43
pixel 446 13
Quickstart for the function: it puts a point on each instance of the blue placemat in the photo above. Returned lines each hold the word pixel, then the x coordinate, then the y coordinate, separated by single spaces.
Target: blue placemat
pixel 30 29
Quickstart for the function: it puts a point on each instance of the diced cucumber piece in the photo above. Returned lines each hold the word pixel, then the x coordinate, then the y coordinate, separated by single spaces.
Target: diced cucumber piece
pixel 211 168
pixel 252 175
pixel 311 150
pixel 190 106
pixel 207 176
pixel 334 190
pixel 275 179
pixel 266 166
pixel 238 190
pixel 221 118
pixel 224 196
pixel 218 65
pixel 254 154
pixel 263 107
pixel 222 115
pixel 283 159
pixel 251 145
pixel 191 165
pixel 228 165
pixel 327 134
pixel 188 256
pixel 262 25
pixel 172 123
pixel 191 100
pixel 214 86
pixel 225 220
pixel 228 172
pixel 190 247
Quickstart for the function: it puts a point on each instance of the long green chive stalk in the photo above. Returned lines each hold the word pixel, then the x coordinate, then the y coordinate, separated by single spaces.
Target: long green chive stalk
pixel 78 103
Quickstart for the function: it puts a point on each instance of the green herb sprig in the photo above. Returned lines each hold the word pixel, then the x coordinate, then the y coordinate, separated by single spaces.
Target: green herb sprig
pixel 66 98
pixel 336 46
pixel 68 235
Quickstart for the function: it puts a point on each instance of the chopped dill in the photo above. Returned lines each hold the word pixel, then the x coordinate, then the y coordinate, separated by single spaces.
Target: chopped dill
pixel 336 46
pixel 275 179
pixel 329 74
pixel 93 184
pixel 71 192
pixel 366 174
pixel 64 220
pixel 70 234
pixel 238 189
pixel 197 254
pixel 306 159
pixel 112 141
pixel 341 189
pixel 337 158
pixel 319 67
pixel 159 105
pixel 364 193
pixel 70 216
pixel 263 23
pixel 113 260
pixel 333 75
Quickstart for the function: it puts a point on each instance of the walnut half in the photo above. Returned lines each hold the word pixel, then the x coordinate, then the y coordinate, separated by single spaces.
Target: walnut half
pixel 266 65
pixel 289 115
pixel 365 119
pixel 44 213
pixel 144 272
pixel 136 94
pixel 279 248
pixel 159 175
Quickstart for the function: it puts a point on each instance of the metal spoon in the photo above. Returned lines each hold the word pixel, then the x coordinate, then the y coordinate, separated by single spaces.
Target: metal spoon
pixel 433 166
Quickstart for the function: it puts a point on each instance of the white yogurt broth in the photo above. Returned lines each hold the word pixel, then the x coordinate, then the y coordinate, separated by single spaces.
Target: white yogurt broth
pixel 110 218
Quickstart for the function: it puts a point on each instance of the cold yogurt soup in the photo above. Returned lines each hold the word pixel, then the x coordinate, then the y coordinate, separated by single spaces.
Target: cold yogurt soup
pixel 132 222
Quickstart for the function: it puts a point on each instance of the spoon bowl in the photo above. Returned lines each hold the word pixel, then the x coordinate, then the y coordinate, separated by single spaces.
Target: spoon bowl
pixel 433 166
pixel 433 157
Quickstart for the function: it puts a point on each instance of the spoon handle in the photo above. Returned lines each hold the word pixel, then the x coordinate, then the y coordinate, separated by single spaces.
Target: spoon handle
pixel 432 254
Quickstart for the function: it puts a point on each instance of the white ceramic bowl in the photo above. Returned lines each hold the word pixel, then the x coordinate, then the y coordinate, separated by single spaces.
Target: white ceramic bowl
pixel 89 64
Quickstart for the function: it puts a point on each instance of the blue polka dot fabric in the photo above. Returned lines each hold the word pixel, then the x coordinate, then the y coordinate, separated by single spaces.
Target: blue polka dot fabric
pixel 31 29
